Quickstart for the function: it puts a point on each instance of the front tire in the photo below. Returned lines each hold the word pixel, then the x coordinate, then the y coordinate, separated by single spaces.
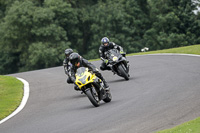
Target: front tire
pixel 122 71
pixel 93 96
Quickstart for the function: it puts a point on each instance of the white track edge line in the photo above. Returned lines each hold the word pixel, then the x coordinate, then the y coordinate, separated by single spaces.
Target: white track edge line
pixel 23 103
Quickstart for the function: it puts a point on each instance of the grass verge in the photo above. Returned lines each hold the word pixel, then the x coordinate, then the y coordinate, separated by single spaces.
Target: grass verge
pixel 11 93
pixel 193 49
pixel 187 127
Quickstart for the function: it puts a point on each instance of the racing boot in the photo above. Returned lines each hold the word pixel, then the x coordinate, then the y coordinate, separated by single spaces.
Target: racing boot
pixel 76 88
pixel 108 68
pixel 106 85
pixel 104 81
pixel 69 81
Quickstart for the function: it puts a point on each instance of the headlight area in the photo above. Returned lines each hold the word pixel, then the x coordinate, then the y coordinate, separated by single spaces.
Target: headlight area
pixel 115 58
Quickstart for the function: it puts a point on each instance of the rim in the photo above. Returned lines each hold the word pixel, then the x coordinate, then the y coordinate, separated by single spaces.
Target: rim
pixel 95 94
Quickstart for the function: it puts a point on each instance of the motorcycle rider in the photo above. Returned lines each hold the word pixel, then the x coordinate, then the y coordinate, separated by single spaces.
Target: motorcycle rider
pixel 105 46
pixel 78 61
pixel 67 65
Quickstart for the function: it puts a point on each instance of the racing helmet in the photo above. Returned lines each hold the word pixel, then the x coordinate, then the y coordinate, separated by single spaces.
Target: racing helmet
pixel 74 58
pixel 105 41
pixel 68 52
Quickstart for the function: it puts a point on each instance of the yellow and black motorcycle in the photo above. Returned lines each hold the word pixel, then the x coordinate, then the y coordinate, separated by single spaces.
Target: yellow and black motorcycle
pixel 92 86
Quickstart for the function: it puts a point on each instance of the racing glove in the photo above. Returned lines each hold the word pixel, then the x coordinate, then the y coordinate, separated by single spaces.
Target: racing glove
pixel 106 61
pixel 121 52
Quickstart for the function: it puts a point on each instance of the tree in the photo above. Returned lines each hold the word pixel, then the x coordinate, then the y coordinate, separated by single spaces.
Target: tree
pixel 35 33
pixel 172 24
pixel 26 24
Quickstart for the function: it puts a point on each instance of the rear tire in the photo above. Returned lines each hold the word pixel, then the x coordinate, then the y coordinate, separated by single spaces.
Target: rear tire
pixel 122 71
pixel 93 97
pixel 108 98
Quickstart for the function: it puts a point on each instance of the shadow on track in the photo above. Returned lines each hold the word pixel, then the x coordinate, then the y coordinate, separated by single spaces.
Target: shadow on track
pixel 90 106
pixel 77 96
pixel 120 80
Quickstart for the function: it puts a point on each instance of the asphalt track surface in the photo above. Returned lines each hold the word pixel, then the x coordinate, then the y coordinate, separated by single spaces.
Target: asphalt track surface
pixel 163 91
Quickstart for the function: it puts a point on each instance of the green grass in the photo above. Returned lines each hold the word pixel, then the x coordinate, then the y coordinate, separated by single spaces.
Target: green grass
pixel 194 49
pixel 188 127
pixel 11 93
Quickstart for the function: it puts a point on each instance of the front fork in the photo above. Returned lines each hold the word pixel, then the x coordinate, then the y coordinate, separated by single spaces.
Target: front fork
pixel 126 64
pixel 100 86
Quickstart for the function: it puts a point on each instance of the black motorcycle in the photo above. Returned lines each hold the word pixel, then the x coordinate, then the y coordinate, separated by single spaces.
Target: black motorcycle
pixel 118 63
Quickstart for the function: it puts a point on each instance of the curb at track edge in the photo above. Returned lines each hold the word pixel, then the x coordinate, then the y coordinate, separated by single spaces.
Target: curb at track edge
pixel 23 102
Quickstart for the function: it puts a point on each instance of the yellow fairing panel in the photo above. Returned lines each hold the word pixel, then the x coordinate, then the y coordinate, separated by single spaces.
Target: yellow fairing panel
pixel 84 77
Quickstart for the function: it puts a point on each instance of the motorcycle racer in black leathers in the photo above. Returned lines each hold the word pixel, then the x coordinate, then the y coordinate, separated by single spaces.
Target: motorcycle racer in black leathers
pixel 67 65
pixel 105 46
pixel 78 61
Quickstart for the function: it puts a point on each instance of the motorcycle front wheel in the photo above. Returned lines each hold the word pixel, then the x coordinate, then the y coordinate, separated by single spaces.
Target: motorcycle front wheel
pixel 123 72
pixel 93 96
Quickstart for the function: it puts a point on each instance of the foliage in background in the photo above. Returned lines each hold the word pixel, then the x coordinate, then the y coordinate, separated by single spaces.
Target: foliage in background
pixel 35 33
pixel 173 24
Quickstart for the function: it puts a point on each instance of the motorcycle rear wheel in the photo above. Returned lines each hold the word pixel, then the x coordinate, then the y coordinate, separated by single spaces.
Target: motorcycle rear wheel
pixel 108 97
